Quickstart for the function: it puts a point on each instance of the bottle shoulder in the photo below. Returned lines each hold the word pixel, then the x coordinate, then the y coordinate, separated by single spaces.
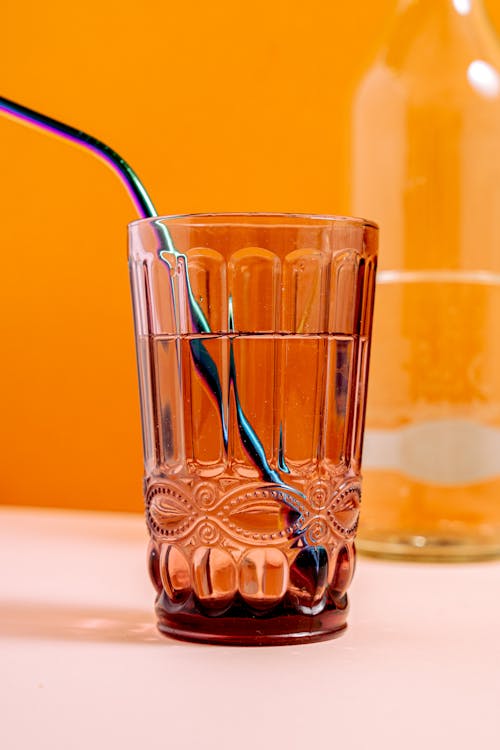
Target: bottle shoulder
pixel 436 56
pixel 472 84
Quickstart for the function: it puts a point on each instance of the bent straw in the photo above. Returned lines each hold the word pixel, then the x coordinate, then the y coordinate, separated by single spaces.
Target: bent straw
pixel 135 188
pixel 144 205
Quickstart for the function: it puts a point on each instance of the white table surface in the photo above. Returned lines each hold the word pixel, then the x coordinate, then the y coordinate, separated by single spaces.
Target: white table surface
pixel 82 666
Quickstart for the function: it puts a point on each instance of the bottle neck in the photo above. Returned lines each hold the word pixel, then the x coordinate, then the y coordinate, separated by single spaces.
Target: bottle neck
pixel 460 7
pixel 438 29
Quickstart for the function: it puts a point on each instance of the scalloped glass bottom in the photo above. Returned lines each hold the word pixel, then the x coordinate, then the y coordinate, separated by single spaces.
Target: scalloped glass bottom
pixel 239 626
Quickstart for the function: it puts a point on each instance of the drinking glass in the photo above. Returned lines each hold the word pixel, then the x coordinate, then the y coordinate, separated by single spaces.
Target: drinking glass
pixel 253 339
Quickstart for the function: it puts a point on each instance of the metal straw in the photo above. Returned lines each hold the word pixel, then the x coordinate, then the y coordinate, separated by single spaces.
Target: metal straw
pixel 135 188
pixel 145 207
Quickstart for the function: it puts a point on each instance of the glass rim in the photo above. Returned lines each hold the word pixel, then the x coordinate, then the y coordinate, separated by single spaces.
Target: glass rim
pixel 322 219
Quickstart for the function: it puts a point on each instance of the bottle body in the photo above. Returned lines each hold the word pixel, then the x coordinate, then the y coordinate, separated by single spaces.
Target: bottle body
pixel 426 164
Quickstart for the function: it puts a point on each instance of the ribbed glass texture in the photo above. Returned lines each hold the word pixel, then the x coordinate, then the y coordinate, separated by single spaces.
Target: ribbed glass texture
pixel 253 342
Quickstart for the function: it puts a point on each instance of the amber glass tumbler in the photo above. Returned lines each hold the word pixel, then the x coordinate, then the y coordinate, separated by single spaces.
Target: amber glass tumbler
pixel 253 337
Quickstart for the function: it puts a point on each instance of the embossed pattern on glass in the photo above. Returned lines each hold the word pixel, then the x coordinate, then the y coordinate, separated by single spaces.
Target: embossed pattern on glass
pixel 253 428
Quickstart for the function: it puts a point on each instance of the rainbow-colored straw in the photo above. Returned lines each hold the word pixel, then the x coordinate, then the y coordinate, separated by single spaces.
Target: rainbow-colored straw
pixel 144 205
pixel 133 184
pixel 135 188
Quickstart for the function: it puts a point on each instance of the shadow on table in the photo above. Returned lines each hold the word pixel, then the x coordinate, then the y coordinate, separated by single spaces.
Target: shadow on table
pixel 64 622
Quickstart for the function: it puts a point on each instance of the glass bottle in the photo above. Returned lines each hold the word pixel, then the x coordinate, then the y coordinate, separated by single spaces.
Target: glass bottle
pixel 426 166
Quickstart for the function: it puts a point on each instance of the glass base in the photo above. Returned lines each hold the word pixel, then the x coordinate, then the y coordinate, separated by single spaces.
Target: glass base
pixel 240 627
pixel 422 548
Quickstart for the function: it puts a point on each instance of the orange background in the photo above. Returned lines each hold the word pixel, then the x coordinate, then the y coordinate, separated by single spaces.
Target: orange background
pixel 218 106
